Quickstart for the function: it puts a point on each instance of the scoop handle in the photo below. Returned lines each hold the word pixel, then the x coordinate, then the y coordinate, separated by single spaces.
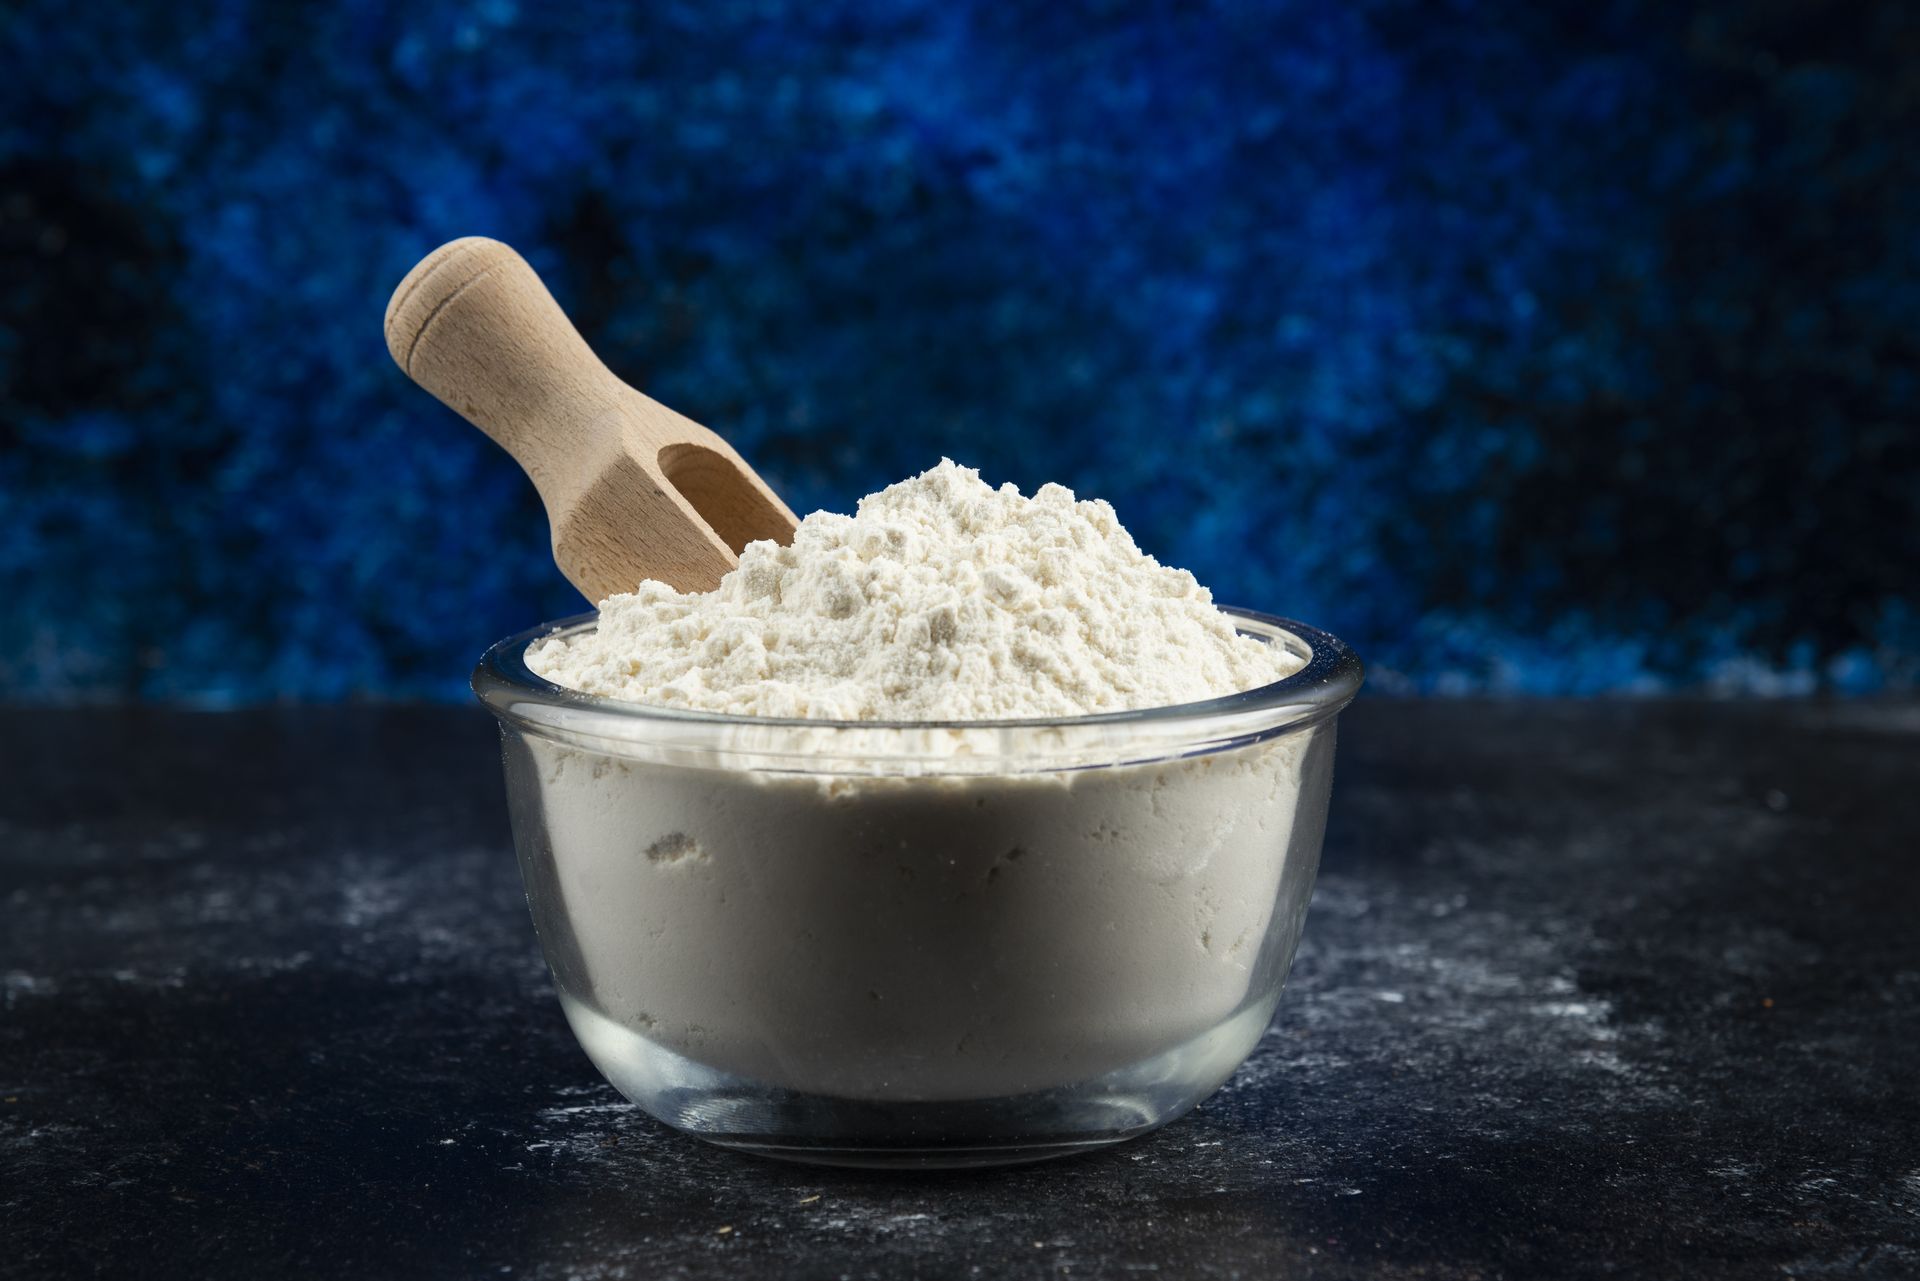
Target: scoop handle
pixel 474 325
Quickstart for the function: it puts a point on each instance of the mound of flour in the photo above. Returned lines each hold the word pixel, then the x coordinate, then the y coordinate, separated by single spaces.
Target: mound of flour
pixel 941 598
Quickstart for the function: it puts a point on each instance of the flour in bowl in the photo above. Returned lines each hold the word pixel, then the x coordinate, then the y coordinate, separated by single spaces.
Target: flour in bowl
pixel 941 598
pixel 943 913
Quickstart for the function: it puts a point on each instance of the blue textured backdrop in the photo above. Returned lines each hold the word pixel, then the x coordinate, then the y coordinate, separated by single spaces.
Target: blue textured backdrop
pixel 1552 348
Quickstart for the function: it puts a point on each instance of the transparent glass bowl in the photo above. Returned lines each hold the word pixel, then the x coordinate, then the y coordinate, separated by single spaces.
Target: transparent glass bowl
pixel 920 944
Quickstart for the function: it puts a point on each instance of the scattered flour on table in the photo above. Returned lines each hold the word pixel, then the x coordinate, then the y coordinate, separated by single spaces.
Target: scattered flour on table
pixel 941 598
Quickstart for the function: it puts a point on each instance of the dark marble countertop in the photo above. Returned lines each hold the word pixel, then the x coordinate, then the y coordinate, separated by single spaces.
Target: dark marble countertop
pixel 1587 990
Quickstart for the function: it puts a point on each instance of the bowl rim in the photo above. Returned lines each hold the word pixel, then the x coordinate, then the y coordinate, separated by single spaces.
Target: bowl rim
pixel 1328 681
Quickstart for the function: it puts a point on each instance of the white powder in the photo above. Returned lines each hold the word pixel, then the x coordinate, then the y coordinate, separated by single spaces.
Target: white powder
pixel 924 937
pixel 940 599
pixel 935 913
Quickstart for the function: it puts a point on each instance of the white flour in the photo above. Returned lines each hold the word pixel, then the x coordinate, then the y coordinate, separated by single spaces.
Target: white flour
pixel 940 599
pixel 970 926
pixel 929 938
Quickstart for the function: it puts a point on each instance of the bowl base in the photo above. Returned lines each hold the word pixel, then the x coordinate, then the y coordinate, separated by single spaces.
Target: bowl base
pixel 940 1158
pixel 920 1136
pixel 903 1134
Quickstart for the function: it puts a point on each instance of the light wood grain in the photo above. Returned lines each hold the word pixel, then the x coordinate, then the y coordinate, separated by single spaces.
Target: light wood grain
pixel 633 490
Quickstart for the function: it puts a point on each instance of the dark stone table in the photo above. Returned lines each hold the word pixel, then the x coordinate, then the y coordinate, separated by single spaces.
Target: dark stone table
pixel 1587 990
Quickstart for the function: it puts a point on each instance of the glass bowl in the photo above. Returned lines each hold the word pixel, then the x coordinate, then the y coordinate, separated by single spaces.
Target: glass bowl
pixel 920 944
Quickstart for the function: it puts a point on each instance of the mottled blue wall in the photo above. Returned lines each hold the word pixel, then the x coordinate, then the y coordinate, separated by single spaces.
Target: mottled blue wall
pixel 1559 348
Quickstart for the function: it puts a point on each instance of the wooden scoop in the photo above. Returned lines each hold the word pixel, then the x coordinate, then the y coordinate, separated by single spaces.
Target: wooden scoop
pixel 633 490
